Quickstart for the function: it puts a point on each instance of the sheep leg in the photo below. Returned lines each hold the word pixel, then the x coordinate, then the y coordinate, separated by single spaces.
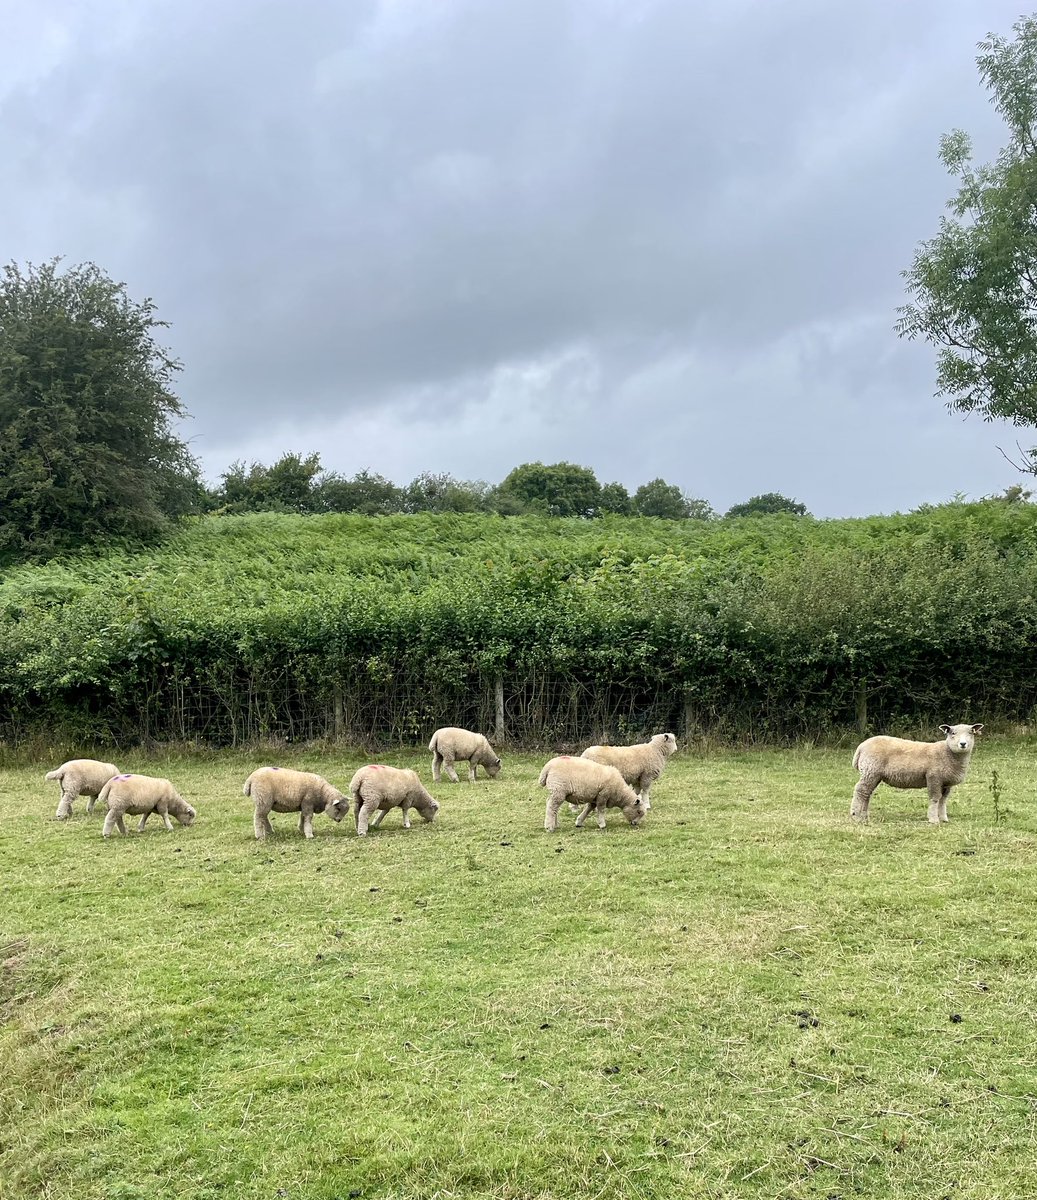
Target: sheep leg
pixel 936 794
pixel 65 805
pixel 363 816
pixel 943 803
pixel 583 814
pixel 448 766
pixel 599 806
pixel 554 803
pixel 109 823
pixel 167 822
pixel 90 802
pixel 437 762
pixel 306 822
pixel 645 793
pixel 261 822
pixel 473 771
pixel 142 822
pixel 378 818
pixel 862 798
pixel 406 814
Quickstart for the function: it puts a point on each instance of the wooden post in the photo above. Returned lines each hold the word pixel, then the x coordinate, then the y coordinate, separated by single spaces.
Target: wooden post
pixel 689 717
pixel 498 697
pixel 339 714
pixel 862 707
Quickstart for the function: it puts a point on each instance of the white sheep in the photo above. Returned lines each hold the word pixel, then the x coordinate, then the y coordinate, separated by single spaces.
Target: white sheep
pixel 900 763
pixel 452 744
pixel 140 796
pixel 592 784
pixel 376 789
pixel 640 765
pixel 80 777
pixel 281 790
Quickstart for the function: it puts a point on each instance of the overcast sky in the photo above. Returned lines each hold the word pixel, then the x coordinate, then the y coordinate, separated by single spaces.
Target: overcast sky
pixel 654 237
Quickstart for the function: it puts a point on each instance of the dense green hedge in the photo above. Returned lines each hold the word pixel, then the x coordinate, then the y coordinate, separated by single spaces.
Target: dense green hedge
pixel 267 624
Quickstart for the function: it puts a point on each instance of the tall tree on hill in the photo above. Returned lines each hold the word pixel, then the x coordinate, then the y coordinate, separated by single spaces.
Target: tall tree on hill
pixel 87 453
pixel 973 287
pixel 766 504
pixel 657 498
pixel 557 490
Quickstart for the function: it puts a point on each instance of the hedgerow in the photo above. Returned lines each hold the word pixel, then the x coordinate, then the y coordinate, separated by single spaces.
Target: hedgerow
pixel 380 628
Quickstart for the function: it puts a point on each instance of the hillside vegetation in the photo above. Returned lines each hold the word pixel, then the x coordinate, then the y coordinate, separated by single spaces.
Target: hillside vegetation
pixel 303 626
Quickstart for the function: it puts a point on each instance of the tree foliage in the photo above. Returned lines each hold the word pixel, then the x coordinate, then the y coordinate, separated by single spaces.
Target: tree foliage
pixel 87 453
pixel 556 490
pixel 657 498
pixel 766 505
pixel 973 287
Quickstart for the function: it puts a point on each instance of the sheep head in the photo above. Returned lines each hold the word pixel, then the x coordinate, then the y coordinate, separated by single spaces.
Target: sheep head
pixel 961 738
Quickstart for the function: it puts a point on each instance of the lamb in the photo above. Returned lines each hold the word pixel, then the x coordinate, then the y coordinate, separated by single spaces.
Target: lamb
pixel 375 789
pixel 452 744
pixel 937 766
pixel 80 777
pixel 568 778
pixel 140 796
pixel 640 765
pixel 279 789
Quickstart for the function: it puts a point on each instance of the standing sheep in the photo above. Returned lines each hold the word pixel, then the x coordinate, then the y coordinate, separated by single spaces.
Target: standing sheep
pixel 281 790
pixel 640 765
pixel 452 744
pixel 376 789
pixel 590 783
pixel 80 777
pixel 140 796
pixel 937 766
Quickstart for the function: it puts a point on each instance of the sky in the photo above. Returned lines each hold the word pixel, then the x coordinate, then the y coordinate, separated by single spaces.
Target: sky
pixel 653 237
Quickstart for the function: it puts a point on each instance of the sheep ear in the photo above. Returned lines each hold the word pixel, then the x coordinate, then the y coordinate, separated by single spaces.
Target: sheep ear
pixel 945 729
pixel 977 728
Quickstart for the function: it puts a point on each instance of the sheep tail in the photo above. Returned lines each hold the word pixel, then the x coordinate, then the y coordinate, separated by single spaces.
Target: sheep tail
pixel 543 776
pixel 54 774
pixel 432 744
pixel 856 758
pixel 247 788
pixel 102 795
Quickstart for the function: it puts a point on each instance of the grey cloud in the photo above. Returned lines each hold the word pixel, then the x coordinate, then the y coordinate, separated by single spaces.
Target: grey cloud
pixel 353 211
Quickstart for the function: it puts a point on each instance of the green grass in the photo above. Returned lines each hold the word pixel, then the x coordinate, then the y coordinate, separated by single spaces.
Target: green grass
pixel 747 997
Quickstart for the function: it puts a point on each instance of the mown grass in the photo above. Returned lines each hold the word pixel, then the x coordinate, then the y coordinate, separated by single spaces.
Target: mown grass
pixel 748 997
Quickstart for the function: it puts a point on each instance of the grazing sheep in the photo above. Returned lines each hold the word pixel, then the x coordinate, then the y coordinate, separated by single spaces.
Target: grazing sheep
pixel 937 766
pixel 281 790
pixel 140 796
pixel 593 784
pixel 640 765
pixel 80 777
pixel 376 789
pixel 452 744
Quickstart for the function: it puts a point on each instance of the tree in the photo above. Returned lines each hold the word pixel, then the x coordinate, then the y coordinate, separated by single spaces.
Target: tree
pixel 615 499
pixel 87 454
pixel 371 495
pixel 769 502
pixel 973 287
pixel 558 490
pixel 431 492
pixel 287 486
pixel 658 498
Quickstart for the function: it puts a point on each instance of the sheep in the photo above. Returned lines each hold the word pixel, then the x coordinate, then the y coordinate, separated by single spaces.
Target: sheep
pixel 597 784
pixel 140 796
pixel 80 777
pixel 281 790
pixel 452 744
pixel 937 766
pixel 640 765
pixel 375 789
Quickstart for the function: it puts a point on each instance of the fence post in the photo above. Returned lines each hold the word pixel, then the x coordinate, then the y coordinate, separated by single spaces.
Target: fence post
pixel 498 698
pixel 339 715
pixel 689 716
pixel 862 707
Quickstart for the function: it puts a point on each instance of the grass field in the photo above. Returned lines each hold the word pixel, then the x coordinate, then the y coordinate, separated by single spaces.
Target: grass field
pixel 747 997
